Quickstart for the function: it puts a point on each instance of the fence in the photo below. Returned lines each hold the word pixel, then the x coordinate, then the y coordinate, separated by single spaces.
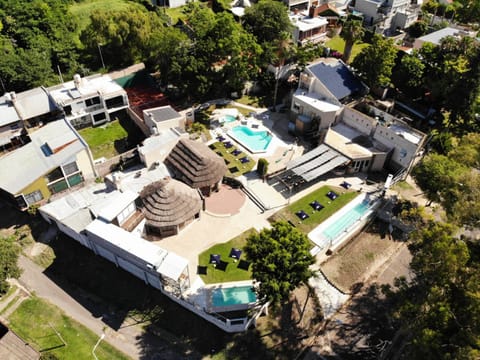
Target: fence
pixel 105 167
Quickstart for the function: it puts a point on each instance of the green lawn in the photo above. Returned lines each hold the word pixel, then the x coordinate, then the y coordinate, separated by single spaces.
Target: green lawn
pixel 232 272
pixel 338 44
pixel 102 139
pixel 315 217
pixel 36 321
pixel 234 165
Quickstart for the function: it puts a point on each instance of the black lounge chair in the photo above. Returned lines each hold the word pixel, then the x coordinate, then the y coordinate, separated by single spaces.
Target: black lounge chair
pixel 244 160
pixel 201 270
pixel 215 259
pixel 220 138
pixel 228 144
pixel 222 265
pixel 316 205
pixel 235 254
pixel 302 215
pixel 244 265
pixel 346 185
pixel 331 195
pixel 236 152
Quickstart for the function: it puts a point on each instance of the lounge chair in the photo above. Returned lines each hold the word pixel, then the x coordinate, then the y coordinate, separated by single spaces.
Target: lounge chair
pixel 302 215
pixel 235 254
pixel 244 160
pixel 236 152
pixel 346 185
pixel 331 195
pixel 316 205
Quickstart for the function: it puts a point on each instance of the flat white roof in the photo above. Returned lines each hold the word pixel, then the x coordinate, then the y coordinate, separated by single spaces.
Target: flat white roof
pixel 166 264
pixel 117 205
pixel 436 36
pixel 25 165
pixel 406 133
pixel 318 104
pixel 305 23
pixel 67 93
pixel 340 138
pixel 8 114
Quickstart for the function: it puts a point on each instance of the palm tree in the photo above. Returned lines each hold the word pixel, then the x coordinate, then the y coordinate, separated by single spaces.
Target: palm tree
pixel 351 32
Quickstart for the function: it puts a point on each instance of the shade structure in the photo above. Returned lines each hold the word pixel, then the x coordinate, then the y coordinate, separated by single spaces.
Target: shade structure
pixel 195 164
pixel 214 259
pixel 169 204
pixel 235 253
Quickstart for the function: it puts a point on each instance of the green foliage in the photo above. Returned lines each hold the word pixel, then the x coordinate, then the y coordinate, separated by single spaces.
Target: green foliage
pixel 408 75
pixel 417 29
pixel 262 167
pixel 440 307
pixel 452 75
pixel 9 252
pixel 352 31
pixel 375 62
pixel 280 259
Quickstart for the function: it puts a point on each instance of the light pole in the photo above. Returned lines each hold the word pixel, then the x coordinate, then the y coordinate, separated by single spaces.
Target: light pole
pixel 101 56
pixel 96 345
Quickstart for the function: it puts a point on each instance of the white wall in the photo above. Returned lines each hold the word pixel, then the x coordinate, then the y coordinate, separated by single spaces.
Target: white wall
pixel 404 151
pixel 359 121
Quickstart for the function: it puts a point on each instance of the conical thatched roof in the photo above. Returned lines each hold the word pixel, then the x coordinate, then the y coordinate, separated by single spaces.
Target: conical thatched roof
pixel 169 202
pixel 197 165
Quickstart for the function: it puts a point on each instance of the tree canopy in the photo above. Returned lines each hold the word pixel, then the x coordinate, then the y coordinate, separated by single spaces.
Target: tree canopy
pixel 280 259
pixel 375 62
pixel 440 309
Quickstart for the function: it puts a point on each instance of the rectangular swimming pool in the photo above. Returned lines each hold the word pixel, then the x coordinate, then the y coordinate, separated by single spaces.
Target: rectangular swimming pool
pixel 237 295
pixel 344 222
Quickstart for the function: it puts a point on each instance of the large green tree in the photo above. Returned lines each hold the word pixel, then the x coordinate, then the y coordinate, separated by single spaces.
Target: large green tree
pixel 408 75
pixel 439 310
pixel 375 62
pixel 352 31
pixel 9 252
pixel 280 259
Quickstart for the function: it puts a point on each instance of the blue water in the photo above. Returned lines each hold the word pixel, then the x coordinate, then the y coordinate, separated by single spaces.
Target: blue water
pixel 253 140
pixel 228 118
pixel 233 296
pixel 337 227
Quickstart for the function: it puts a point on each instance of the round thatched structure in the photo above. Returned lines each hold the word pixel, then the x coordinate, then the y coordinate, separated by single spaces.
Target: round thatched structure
pixel 168 206
pixel 196 165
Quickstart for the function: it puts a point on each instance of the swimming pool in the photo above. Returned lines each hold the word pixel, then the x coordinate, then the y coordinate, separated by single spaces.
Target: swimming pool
pixel 237 295
pixel 228 118
pixel 342 224
pixel 254 141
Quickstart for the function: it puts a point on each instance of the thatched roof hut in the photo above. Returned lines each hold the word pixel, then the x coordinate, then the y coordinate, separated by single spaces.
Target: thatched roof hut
pixel 196 165
pixel 169 205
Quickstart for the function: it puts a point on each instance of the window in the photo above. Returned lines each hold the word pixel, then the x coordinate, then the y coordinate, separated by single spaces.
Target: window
pixel 33 197
pixel 125 214
pixel 58 186
pixel 70 168
pixel 54 175
pixel 93 101
pixel 68 110
pixel 75 179
pixel 99 117
pixel 115 102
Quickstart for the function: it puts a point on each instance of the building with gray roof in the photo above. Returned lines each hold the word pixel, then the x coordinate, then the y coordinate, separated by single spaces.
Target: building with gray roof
pixel 56 159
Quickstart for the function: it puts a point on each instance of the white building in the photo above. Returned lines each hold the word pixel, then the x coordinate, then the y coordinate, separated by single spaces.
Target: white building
pixel 437 36
pixel 307 29
pixel 163 118
pixel 385 16
pixel 90 100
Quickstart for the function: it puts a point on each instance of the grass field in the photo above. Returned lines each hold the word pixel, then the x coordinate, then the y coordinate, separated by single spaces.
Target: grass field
pixel 338 44
pixel 232 272
pixel 77 343
pixel 233 162
pixel 315 217
pixel 102 139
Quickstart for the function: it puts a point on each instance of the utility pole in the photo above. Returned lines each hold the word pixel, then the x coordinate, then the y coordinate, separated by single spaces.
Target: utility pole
pixel 101 56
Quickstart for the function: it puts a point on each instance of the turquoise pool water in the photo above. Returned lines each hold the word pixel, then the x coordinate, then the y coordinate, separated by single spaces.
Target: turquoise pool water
pixel 233 296
pixel 253 140
pixel 337 227
pixel 228 119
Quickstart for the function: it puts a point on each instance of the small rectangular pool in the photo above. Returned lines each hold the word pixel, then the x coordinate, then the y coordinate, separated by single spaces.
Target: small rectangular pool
pixel 237 295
